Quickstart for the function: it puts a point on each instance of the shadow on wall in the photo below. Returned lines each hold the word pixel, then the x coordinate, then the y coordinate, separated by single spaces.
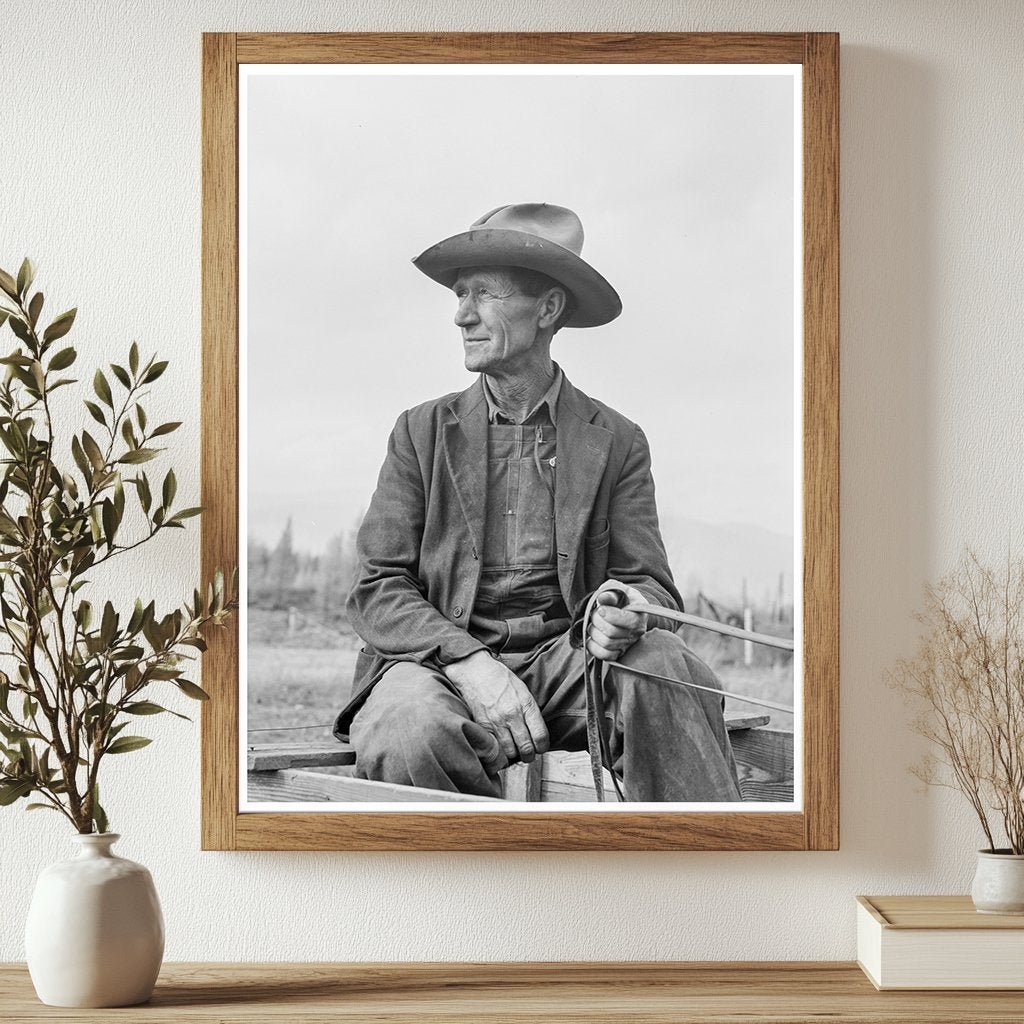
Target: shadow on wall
pixel 888 306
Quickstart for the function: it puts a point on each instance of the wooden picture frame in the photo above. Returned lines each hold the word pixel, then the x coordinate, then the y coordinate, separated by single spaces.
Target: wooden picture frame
pixel 816 825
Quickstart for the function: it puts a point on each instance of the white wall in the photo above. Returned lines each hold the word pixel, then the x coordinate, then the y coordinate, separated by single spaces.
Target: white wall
pixel 99 181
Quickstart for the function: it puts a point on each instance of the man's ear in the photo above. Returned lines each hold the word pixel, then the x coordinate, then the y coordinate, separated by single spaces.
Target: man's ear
pixel 552 306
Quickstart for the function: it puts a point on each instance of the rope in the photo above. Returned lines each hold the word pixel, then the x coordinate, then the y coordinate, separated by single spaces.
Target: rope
pixel 294 728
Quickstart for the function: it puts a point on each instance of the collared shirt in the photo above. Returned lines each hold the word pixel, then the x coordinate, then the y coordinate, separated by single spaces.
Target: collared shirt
pixel 547 405
pixel 519 601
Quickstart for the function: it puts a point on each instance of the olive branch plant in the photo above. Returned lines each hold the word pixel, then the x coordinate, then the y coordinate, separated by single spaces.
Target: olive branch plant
pixel 967 680
pixel 79 672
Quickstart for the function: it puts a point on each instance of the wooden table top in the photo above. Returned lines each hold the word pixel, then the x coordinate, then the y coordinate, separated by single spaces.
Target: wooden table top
pixel 640 993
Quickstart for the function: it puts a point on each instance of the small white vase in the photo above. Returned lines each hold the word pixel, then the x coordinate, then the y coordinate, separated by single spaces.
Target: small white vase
pixel 999 883
pixel 95 932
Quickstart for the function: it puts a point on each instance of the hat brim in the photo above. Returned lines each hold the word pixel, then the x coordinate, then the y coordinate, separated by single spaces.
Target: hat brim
pixel 597 302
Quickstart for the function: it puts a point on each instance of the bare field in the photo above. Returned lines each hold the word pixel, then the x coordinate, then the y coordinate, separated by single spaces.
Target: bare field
pixel 293 687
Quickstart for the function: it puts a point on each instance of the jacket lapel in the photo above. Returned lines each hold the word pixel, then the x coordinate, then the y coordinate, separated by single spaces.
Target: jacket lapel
pixel 465 452
pixel 583 449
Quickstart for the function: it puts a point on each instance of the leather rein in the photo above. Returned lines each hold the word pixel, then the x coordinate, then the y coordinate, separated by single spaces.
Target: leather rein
pixel 595 668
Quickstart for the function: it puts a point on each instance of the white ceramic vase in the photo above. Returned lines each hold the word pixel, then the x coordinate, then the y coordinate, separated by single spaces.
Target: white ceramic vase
pixel 999 883
pixel 95 932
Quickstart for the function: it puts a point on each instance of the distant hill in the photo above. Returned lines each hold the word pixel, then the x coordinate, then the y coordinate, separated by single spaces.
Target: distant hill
pixel 716 558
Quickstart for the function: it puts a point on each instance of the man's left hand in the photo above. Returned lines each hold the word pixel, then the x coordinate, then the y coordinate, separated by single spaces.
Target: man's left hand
pixel 613 630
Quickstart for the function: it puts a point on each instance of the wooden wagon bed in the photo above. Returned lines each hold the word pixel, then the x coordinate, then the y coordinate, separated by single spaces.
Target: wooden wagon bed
pixel 325 773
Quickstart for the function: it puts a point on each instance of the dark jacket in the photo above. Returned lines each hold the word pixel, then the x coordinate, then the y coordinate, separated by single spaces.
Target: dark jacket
pixel 419 545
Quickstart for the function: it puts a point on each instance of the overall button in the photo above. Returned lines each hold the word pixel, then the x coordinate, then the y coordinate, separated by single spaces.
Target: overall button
pixel 457 611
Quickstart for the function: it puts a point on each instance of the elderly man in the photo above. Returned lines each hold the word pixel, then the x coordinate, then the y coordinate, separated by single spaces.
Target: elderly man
pixel 498 512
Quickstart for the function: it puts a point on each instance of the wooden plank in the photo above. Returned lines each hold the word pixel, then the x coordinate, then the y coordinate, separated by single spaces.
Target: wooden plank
pixel 520 993
pixel 273 757
pixel 567 778
pixel 737 722
pixel 564 776
pixel 821 440
pixel 520 47
pixel 296 786
pixel 522 782
pixel 219 446
pixel 764 763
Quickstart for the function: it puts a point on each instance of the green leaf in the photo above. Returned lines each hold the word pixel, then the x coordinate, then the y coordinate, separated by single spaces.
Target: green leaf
pixel 145 497
pixel 40 807
pixel 155 371
pixel 4 314
pixel 26 275
pixel 63 382
pixel 108 627
pixel 121 374
pixel 20 329
pixel 83 615
pixel 139 455
pixel 137 618
pixel 35 308
pixel 165 428
pixel 8 284
pixel 144 707
pixel 16 359
pixel 102 388
pixel 11 790
pixel 96 412
pixel 80 459
pixel 63 359
pixel 95 525
pixel 99 816
pixel 163 673
pixel 92 449
pixel 170 488
pixel 60 326
pixel 185 513
pixel 128 433
pixel 140 415
pixel 129 653
pixel 109 521
pixel 124 744
pixel 133 358
pixel 119 498
pixel 191 690
pixel 11 733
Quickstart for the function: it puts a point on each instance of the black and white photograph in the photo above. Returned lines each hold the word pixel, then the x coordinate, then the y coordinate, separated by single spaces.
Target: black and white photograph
pixel 520 428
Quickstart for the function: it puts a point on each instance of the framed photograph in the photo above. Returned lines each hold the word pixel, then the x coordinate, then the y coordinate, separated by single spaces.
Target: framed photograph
pixel 520 420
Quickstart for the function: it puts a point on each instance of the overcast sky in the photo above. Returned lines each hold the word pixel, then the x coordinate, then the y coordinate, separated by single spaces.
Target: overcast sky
pixel 684 185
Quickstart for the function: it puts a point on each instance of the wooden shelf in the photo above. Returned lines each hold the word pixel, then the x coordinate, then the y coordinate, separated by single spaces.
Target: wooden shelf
pixel 610 993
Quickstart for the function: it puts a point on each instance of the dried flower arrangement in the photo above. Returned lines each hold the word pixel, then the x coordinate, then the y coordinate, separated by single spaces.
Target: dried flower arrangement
pixel 968 679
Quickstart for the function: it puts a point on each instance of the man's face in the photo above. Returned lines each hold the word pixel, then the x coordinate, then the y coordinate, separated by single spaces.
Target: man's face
pixel 499 323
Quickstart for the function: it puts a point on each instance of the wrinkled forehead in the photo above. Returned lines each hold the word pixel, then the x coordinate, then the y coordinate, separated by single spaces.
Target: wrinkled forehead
pixel 497 278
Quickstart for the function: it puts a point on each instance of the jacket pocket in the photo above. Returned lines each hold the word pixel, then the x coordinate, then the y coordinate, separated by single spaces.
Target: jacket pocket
pixel 599 535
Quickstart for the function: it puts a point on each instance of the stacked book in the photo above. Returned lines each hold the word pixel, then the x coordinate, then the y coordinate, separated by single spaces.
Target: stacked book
pixel 938 942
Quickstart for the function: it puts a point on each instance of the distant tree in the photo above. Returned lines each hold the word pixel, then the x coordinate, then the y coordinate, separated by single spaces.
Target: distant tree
pixel 257 560
pixel 282 567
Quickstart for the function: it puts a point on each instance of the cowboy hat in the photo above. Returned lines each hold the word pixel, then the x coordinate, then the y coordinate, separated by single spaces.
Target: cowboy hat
pixel 537 236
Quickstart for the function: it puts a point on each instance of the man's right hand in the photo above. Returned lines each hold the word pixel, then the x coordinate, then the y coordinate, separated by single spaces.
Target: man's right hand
pixel 499 701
